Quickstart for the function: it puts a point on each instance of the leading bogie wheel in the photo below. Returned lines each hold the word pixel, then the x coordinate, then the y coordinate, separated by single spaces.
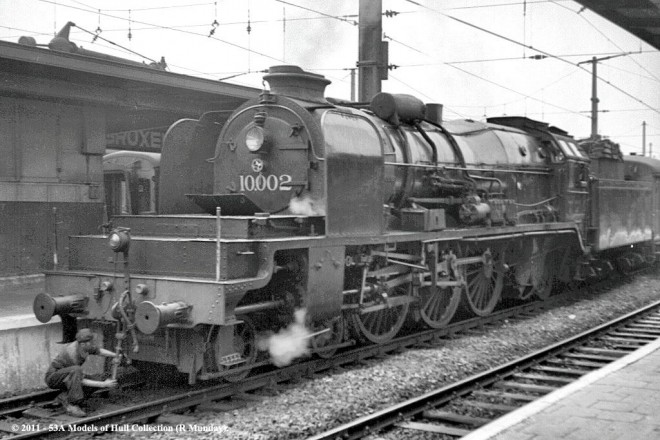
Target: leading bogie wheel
pixel 324 344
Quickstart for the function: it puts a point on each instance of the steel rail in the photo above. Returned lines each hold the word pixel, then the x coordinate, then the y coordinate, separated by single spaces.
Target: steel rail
pixel 16 404
pixel 188 399
pixel 192 398
pixel 390 416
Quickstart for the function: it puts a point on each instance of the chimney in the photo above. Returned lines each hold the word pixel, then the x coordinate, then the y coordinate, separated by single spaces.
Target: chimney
pixel 294 82
pixel 434 112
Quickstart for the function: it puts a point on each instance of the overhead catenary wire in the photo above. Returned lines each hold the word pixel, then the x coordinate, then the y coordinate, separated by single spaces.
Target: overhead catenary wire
pixel 335 17
pixel 181 29
pixel 97 36
pixel 173 29
pixel 154 8
pixel 424 95
pixel 490 81
pixel 541 51
pixel 605 36
pixel 497 5
pixel 327 16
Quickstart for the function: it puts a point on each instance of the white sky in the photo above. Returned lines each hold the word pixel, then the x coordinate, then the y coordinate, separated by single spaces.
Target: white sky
pixel 473 73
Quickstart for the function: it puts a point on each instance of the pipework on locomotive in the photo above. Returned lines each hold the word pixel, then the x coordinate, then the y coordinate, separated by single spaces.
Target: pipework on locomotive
pixel 344 222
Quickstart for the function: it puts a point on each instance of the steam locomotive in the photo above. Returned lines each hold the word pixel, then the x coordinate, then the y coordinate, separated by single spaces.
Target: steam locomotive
pixel 347 220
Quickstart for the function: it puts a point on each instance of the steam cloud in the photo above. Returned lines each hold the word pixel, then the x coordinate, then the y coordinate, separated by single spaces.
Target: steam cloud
pixel 306 206
pixel 290 343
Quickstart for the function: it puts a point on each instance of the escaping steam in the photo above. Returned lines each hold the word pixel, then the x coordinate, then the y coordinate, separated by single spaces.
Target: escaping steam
pixel 305 205
pixel 290 343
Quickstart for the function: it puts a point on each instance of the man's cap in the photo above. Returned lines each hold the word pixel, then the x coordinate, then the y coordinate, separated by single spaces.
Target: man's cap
pixel 84 335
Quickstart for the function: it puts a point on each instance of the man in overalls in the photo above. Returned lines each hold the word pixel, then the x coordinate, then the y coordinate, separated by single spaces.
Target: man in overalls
pixel 66 374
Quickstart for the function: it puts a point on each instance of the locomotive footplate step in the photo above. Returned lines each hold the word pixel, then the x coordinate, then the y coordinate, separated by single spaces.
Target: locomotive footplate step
pixel 231 359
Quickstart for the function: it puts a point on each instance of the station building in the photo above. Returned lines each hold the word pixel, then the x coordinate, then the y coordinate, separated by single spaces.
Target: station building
pixel 61 108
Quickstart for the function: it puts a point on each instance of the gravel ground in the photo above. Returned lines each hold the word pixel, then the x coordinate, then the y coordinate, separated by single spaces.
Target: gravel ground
pixel 313 405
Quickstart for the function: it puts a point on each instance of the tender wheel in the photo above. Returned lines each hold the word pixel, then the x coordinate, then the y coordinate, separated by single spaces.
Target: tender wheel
pixel 484 282
pixel 330 338
pixel 438 305
pixel 542 283
pixel 380 325
pixel 537 262
pixel 244 351
pixel 541 280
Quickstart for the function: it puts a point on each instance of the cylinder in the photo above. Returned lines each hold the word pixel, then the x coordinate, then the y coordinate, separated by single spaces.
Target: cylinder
pixel 46 306
pixel 472 213
pixel 149 317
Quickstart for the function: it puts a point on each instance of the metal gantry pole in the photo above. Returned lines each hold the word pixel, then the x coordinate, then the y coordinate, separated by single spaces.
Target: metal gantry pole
pixel 644 138
pixel 594 90
pixel 369 47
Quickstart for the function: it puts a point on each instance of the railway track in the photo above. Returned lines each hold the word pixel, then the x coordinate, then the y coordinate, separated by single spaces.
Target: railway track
pixel 32 414
pixel 31 411
pixel 458 409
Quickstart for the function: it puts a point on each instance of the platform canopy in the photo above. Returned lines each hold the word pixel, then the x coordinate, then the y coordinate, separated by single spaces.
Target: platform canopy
pixel 135 96
pixel 639 17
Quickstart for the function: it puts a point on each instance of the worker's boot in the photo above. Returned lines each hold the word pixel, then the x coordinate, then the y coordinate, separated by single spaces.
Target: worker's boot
pixel 74 410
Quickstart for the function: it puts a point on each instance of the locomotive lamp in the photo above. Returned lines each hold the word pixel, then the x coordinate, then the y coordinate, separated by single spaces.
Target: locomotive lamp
pixel 254 139
pixel 120 240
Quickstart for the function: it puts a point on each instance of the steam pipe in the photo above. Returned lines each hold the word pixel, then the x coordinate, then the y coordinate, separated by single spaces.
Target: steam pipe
pixel 428 139
pixel 218 245
pixel 452 141
pixel 491 179
pixel 259 307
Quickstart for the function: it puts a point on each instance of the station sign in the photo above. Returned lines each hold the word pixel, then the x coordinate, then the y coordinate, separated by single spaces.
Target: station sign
pixel 144 139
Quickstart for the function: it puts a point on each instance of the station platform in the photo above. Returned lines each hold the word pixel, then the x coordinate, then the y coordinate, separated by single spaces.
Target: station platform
pixel 618 402
pixel 17 295
pixel 26 345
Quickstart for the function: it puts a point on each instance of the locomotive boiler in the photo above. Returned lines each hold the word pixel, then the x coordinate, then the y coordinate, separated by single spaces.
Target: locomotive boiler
pixel 348 219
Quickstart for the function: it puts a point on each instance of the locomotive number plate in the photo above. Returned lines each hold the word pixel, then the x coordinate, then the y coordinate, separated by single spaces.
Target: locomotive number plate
pixel 261 182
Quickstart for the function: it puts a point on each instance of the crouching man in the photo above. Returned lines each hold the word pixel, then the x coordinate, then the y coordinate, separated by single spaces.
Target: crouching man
pixel 66 374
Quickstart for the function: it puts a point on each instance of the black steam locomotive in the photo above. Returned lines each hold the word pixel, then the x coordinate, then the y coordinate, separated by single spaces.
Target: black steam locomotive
pixel 301 220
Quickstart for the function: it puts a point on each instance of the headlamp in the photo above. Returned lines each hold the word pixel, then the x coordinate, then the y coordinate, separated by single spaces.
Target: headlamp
pixel 119 240
pixel 254 138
